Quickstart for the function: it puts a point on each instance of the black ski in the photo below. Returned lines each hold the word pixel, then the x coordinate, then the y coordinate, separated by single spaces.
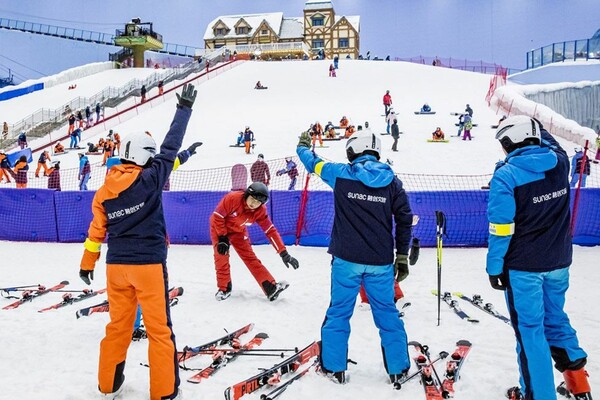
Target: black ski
pixel 453 304
pixel 477 301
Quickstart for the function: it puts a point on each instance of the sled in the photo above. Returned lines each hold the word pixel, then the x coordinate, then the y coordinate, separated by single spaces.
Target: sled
pixel 239 177
pixel 425 112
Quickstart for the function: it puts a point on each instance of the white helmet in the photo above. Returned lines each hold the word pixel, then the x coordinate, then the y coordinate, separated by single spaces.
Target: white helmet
pixel 139 148
pixel 361 143
pixel 518 131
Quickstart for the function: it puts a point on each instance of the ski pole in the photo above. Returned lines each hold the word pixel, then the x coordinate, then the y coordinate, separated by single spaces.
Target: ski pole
pixel 425 349
pixel 295 350
pixel 441 356
pixel 440 219
pixel 18 288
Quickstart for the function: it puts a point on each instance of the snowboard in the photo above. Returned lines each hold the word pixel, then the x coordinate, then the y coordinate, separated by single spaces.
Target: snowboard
pixel 425 112
pixel 437 141
pixel 463 124
pixel 239 177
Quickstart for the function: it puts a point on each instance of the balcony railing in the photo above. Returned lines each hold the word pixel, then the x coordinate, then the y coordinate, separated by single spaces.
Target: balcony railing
pixel 584 49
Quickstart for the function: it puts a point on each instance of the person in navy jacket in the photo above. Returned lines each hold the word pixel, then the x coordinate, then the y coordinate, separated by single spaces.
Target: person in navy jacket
pixel 529 254
pixel 368 200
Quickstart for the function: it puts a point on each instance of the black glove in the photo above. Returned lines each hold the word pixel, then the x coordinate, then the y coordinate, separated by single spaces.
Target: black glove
pixel 192 148
pixel 289 260
pixel 305 140
pixel 414 251
pixel 498 282
pixel 401 267
pixel 86 276
pixel 188 96
pixel 223 245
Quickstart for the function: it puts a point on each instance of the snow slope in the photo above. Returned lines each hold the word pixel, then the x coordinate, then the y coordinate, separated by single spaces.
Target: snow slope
pixel 55 356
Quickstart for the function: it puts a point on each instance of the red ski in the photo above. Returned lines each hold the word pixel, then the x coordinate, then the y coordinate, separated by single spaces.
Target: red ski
pixel 429 377
pixel 230 338
pixel 30 295
pixel 103 307
pixel 68 299
pixel 454 364
pixel 272 376
pixel 223 357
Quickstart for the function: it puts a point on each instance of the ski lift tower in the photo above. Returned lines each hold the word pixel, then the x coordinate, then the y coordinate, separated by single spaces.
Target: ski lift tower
pixel 139 37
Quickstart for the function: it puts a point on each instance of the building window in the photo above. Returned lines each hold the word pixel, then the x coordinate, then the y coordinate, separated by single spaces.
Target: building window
pixel 318 21
pixel 317 43
pixel 219 32
pixel 241 30
pixel 264 32
pixel 343 43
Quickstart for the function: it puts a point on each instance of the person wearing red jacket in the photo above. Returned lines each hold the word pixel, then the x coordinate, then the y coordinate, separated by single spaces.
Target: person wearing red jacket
pixel 387 102
pixel 228 223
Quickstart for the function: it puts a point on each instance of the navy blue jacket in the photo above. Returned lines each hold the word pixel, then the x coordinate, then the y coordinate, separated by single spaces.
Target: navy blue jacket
pixel 529 212
pixel 368 199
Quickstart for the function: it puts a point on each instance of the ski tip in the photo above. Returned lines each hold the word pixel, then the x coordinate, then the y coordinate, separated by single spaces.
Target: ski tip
pixel 180 290
pixel 64 283
pixel 434 292
pixel 464 342
pixel 475 321
pixel 261 335
pixel 77 314
pixel 458 294
pixel 415 343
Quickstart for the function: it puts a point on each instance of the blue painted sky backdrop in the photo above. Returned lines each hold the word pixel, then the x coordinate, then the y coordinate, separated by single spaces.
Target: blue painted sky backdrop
pixel 499 31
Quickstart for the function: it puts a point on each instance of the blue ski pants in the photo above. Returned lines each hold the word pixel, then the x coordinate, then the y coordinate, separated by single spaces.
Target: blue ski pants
pixel 535 301
pixel 378 281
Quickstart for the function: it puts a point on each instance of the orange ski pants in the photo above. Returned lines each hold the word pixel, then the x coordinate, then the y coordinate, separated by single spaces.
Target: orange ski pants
pixel 128 285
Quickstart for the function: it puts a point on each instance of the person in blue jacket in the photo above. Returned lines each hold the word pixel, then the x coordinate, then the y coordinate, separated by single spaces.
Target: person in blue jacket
pixel 368 200
pixel 529 254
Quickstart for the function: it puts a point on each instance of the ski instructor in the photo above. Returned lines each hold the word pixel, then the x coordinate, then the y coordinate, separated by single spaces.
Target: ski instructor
pixel 128 209
pixel 368 198
pixel 529 255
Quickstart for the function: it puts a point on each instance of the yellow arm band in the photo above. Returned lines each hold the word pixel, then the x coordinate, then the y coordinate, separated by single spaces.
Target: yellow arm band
pixel 502 229
pixel 92 246
pixel 319 167
pixel 176 164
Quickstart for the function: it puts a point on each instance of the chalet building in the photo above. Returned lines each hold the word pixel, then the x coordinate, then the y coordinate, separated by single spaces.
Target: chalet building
pixel 273 35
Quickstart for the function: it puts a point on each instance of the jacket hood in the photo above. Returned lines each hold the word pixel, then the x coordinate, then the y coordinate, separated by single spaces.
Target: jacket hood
pixel 533 158
pixel 120 177
pixel 371 172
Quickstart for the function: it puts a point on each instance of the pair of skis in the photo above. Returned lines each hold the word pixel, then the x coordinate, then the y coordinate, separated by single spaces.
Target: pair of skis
pixel 30 295
pixel 453 304
pixel 174 293
pixel 221 356
pixel 436 388
pixel 488 308
pixel 69 299
pixel 272 376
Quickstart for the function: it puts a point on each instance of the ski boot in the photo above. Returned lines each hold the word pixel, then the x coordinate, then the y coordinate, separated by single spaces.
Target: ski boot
pixel 514 393
pixel 576 385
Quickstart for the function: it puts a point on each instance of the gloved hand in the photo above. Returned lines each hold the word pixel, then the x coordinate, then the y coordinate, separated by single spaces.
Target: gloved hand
pixel 414 251
pixel 289 260
pixel 188 96
pixel 87 265
pixel 498 282
pixel 192 148
pixel 305 140
pixel 223 245
pixel 401 267
pixel 86 276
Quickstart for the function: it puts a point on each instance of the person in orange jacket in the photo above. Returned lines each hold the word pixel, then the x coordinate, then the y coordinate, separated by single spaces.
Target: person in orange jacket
pixel 5 170
pixel 228 223
pixel 44 156
pixel 316 131
pixel 20 172
pixel 349 131
pixel 344 122
pixel 128 210
pixel 109 147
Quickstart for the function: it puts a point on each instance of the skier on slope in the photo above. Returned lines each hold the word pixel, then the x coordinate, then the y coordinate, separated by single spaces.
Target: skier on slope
pixel 128 210
pixel 529 255
pixel 291 170
pixel 228 223
pixel 368 198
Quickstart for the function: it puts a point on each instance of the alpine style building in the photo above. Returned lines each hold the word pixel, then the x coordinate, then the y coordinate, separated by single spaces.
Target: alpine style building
pixel 319 30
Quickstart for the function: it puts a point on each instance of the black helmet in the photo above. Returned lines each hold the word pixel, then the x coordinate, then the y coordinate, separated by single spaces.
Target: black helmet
pixel 259 191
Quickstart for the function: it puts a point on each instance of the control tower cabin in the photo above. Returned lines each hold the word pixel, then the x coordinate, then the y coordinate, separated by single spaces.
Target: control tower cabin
pixel 139 37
